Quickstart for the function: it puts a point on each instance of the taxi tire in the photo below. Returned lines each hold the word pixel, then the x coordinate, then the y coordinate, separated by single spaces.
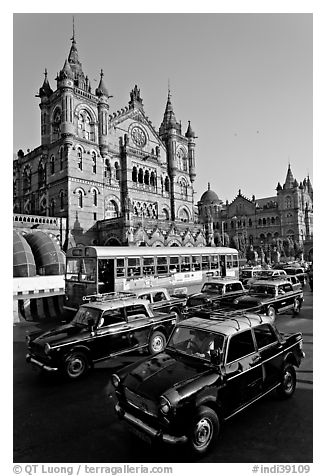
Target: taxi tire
pixel 271 312
pixel 76 365
pixel 288 382
pixel 157 342
pixel 203 431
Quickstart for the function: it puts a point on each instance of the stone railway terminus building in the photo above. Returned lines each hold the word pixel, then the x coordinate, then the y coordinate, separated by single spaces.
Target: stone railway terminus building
pixel 111 175
pixel 110 178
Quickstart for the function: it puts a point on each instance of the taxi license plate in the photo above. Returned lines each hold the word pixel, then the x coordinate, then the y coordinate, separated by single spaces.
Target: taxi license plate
pixel 141 435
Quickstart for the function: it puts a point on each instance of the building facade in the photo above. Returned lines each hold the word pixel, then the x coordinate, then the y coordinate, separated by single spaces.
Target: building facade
pixel 282 223
pixel 112 176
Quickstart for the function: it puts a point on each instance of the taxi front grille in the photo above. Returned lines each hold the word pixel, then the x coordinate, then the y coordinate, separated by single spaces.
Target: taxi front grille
pixel 141 403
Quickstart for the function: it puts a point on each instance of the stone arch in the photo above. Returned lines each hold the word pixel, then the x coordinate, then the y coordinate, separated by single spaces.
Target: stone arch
pixel 113 241
pixel 184 214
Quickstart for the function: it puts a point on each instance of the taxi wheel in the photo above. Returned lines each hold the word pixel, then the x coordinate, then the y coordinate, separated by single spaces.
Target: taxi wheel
pixel 204 431
pixel 157 342
pixel 296 306
pixel 271 312
pixel 288 382
pixel 76 365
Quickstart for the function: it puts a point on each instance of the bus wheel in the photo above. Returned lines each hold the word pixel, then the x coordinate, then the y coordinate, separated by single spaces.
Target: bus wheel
pixel 76 365
pixel 157 342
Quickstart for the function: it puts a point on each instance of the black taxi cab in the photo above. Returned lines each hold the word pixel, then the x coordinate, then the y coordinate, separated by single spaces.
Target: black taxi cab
pixel 272 296
pixel 107 325
pixel 209 371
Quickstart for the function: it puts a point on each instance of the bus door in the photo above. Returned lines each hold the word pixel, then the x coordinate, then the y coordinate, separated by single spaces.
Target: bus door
pixel 223 265
pixel 106 275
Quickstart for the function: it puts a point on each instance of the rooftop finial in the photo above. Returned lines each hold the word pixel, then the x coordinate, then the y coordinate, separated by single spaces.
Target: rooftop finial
pixel 208 186
pixel 73 30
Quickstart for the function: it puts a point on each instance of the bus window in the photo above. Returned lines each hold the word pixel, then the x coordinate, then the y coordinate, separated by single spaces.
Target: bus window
pixel 162 265
pixel 174 264
pixel 235 261
pixel 195 263
pixel 214 261
pixel 133 268
pixel 72 269
pixel 87 269
pixel 148 265
pixel 205 262
pixel 121 270
pixel 229 261
pixel 185 263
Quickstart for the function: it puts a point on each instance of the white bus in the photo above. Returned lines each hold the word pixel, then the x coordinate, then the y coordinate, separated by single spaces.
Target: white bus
pixel 101 269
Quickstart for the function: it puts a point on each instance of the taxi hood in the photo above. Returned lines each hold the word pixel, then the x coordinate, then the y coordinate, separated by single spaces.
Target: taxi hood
pixel 156 375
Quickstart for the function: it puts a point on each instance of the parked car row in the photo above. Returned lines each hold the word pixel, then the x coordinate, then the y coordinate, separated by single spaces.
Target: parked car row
pixel 213 354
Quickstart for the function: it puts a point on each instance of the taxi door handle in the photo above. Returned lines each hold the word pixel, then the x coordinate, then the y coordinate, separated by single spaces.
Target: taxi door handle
pixel 256 360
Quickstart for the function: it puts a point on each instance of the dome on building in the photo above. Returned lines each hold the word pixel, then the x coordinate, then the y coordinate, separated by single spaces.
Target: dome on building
pixel 209 196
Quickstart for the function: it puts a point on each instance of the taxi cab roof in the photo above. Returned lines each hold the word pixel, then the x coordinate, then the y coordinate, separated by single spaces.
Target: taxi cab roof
pixel 271 281
pixel 228 325
pixel 111 300
pixel 222 280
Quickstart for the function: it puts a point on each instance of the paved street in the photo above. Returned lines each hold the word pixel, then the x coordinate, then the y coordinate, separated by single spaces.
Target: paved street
pixel 59 421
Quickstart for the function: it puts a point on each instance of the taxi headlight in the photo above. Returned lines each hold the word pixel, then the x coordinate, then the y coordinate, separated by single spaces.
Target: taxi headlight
pixel 47 348
pixel 115 380
pixel 165 405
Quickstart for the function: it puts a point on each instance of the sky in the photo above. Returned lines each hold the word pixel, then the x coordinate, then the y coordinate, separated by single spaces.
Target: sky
pixel 245 81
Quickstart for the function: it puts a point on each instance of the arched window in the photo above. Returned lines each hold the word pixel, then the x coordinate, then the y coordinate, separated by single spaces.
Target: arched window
pixel 288 202
pixel 184 215
pixel 165 214
pixel 94 162
pixel 259 222
pixel 27 178
pixel 80 198
pixel 112 210
pixel 264 221
pixel 85 126
pixel 273 220
pixel 61 200
pixel 95 197
pixel 41 175
pixel 152 179
pixel 61 158
pixel 107 170
pixel 146 177
pixel 167 184
pixel 140 176
pixel 117 170
pixel 52 165
pixel 80 158
pixel 183 188
pixel 250 222
pixel 134 174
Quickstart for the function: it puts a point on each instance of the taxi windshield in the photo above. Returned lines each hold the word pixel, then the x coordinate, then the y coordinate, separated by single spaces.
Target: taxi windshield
pixel 84 314
pixel 213 287
pixel 261 289
pixel 195 342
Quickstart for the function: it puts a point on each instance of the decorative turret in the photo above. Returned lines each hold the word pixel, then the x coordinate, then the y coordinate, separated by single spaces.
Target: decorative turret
pixel 191 152
pixel 135 99
pixel 169 120
pixel 45 90
pixel 103 110
pixel 101 89
pixel 309 186
pixel 289 181
pixel 279 187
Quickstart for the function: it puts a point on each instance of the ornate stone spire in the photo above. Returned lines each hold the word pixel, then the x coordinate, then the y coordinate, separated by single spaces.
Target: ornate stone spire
pixel 190 132
pixel 101 90
pixel 45 89
pixel 289 181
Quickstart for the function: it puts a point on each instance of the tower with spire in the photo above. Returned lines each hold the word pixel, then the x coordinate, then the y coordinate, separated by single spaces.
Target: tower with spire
pixel 111 174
